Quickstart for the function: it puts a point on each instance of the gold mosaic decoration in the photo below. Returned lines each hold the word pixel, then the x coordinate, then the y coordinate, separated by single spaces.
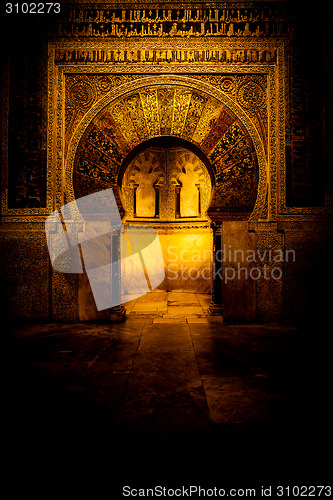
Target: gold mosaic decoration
pixel 82 92
pixel 250 92
pixel 179 111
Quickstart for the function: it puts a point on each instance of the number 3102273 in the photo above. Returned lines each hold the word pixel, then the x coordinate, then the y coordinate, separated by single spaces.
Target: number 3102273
pixel 33 8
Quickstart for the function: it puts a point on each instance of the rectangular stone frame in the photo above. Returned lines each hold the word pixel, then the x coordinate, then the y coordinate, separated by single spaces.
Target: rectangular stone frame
pixel 277 99
pixel 275 157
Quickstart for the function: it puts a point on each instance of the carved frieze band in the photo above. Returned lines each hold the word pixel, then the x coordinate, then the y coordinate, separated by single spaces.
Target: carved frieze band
pixel 165 56
pixel 169 21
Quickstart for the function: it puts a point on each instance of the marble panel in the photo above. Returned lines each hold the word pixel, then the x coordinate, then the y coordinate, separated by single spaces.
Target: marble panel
pixel 187 257
pixel 270 288
pixel 238 287
pixel 187 260
pixel 86 303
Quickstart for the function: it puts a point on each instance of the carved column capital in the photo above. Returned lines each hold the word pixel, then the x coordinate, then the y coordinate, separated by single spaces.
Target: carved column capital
pixel 217 228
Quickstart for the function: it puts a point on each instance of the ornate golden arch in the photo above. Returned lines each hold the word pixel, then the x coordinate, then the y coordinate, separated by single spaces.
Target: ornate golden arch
pixel 199 103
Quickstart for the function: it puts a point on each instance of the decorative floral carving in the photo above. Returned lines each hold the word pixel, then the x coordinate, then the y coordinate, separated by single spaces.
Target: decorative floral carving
pixel 81 94
pixel 228 84
pixel 104 83
pixel 251 95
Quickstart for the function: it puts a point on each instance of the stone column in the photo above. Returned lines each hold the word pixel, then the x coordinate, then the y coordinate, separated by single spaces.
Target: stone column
pixel 215 309
pixel 118 312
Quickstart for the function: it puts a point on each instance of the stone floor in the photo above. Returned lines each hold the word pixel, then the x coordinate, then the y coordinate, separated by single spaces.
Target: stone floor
pixel 170 307
pixel 165 396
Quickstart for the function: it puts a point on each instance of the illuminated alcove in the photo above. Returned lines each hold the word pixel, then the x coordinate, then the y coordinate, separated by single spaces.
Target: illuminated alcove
pixel 122 144
pixel 165 184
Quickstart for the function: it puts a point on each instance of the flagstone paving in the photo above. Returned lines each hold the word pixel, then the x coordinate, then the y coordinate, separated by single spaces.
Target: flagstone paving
pixel 166 386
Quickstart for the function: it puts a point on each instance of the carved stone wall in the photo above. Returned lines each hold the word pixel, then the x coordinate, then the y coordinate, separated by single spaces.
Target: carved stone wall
pixel 239 83
pixel 24 271
pixel 24 146
pixel 306 136
pixel 92 51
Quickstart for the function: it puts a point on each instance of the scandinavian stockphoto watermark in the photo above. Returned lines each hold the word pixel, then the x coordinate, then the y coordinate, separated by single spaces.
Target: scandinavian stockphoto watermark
pixel 229 263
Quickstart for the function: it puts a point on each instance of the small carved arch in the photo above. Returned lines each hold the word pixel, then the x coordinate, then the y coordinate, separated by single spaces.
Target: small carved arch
pixel 145 178
pixel 166 181
pixel 188 178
